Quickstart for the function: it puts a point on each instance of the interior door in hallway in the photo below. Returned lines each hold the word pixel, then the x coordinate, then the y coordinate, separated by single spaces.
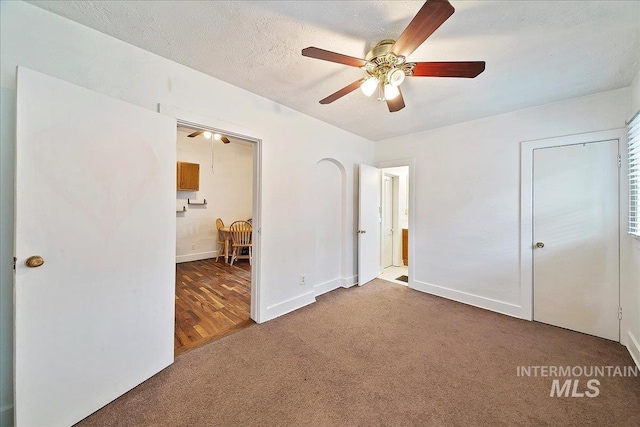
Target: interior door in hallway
pixel 95 199
pixel 387 221
pixel 369 224
pixel 575 237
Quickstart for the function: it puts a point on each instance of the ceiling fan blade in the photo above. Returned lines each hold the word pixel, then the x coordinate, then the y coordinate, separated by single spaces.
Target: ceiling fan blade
pixel 396 104
pixel 325 55
pixel 469 69
pixel 196 133
pixel 225 139
pixel 342 92
pixel 432 14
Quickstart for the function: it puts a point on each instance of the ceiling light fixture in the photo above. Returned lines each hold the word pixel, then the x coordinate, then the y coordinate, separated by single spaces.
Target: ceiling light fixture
pixel 207 134
pixel 395 76
pixel 388 58
pixel 390 91
pixel 386 70
pixel 217 136
pixel 369 86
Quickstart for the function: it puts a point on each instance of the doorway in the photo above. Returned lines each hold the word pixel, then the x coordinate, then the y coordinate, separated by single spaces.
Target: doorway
pixel 370 222
pixel 214 198
pixel 394 224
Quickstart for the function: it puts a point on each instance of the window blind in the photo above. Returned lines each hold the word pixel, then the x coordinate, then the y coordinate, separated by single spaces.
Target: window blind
pixel 634 174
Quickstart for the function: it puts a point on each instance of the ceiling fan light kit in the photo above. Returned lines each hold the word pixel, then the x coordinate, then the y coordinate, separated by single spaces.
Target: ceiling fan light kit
pixel 386 64
pixel 369 86
pixel 208 135
pixel 390 92
pixel 396 76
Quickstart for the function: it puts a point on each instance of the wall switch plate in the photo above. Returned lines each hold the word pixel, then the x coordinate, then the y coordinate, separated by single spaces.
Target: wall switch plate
pixel 303 279
pixel 193 246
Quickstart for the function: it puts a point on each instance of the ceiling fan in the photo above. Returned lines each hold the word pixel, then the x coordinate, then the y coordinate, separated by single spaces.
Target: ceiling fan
pixel 386 64
pixel 215 136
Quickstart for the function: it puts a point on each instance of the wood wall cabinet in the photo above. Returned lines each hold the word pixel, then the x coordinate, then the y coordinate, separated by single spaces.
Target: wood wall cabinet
pixel 405 246
pixel 188 176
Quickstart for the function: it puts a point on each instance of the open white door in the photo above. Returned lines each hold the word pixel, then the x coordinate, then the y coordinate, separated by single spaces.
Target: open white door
pixel 369 225
pixel 95 196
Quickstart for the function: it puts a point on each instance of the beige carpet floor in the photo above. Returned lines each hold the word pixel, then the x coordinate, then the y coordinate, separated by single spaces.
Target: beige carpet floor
pixel 381 354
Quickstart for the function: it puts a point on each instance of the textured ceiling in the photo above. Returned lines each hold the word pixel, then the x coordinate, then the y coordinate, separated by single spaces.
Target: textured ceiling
pixel 537 52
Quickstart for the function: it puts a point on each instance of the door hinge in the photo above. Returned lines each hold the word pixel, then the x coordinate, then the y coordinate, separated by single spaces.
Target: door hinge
pixel 619 161
pixel 14 262
pixel 619 313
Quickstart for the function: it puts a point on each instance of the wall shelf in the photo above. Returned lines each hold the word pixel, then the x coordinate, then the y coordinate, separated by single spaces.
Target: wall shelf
pixel 197 202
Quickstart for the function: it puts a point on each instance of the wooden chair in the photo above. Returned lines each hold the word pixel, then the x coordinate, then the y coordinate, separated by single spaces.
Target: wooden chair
pixel 240 232
pixel 222 240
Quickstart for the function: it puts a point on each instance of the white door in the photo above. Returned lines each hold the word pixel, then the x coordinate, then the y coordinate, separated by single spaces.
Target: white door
pixel 369 225
pixel 95 196
pixel 387 221
pixel 575 230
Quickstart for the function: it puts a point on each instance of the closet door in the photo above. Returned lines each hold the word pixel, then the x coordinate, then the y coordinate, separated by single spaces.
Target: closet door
pixel 575 227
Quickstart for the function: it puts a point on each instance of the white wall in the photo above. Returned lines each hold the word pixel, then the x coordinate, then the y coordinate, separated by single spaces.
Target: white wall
pixel 630 325
pixel 635 95
pixel 467 180
pixel 292 145
pixel 228 189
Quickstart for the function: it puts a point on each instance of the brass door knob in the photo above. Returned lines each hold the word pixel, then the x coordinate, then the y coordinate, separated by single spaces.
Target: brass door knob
pixel 34 261
pixel 362 231
pixel 540 245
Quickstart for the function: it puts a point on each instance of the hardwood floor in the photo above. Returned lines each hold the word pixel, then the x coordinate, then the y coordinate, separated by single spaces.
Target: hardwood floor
pixel 213 299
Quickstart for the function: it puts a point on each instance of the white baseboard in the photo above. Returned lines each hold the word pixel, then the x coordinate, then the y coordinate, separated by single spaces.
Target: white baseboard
pixel 6 417
pixel 195 257
pixel 290 305
pixel 470 299
pixel 348 282
pixel 634 348
pixel 327 286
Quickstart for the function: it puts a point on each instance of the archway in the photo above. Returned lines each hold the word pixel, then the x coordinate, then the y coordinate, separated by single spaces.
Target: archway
pixel 330 225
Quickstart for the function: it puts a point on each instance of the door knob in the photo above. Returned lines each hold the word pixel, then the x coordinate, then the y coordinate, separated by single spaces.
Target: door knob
pixel 362 231
pixel 34 261
pixel 540 245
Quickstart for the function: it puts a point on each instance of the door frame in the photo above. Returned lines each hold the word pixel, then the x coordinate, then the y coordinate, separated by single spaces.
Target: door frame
pixel 411 163
pixel 188 118
pixel 526 204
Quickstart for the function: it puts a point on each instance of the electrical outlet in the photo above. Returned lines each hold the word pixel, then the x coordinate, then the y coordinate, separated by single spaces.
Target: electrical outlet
pixel 193 246
pixel 303 279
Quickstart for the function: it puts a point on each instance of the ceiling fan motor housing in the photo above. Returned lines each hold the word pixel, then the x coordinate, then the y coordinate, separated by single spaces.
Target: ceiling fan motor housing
pixel 381 48
pixel 386 66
